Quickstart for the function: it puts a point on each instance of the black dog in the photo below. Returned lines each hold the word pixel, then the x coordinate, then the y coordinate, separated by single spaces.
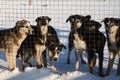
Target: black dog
pixel 112 26
pixel 75 21
pixel 89 38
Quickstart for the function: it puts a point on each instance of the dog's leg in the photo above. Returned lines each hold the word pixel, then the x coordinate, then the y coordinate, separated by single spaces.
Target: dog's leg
pixel 70 46
pixel 68 57
pixel 23 62
pixel 14 57
pixel 118 69
pixel 11 59
pixel 110 63
pixel 44 58
pixel 82 60
pixel 37 59
pixel 51 66
pixel 77 59
pixel 91 60
pixel 100 63
pixel 28 60
pixel 94 60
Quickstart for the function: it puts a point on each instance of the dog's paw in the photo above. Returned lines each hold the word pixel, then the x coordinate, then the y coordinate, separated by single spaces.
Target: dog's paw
pixel 12 69
pixel 39 66
pixel 102 75
pixel 53 69
pixel 31 65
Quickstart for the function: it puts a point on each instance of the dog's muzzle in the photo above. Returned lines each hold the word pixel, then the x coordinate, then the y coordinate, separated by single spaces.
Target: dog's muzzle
pixel 55 59
pixel 43 23
pixel 31 31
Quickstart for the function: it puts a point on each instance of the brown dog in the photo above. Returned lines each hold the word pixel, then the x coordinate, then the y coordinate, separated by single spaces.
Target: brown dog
pixel 34 45
pixel 11 39
pixel 112 26
pixel 75 21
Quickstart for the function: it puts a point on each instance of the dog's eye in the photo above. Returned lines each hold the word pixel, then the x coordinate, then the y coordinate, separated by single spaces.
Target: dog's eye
pixel 58 52
pixel 77 21
pixel 27 27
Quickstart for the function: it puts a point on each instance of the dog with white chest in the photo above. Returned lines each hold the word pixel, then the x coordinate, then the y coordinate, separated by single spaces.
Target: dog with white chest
pixel 76 22
pixel 88 38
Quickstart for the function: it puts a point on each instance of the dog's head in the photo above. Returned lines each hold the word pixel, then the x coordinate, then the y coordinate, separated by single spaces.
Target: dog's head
pixel 54 50
pixel 42 24
pixel 77 20
pixel 92 25
pixel 111 24
pixel 24 27
pixel 43 20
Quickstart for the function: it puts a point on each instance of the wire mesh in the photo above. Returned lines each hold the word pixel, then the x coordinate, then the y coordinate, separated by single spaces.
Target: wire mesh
pixel 58 10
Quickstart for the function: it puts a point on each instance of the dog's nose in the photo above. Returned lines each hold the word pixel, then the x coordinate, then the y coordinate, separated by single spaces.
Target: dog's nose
pixel 44 23
pixel 55 59
pixel 33 32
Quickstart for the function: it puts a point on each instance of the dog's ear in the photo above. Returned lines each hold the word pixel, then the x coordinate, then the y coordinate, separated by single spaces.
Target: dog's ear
pixel 62 45
pixel 87 18
pixel 118 19
pixel 99 25
pixel 105 20
pixel 17 24
pixel 37 19
pixel 69 18
pixel 119 22
pixel 96 24
pixel 49 19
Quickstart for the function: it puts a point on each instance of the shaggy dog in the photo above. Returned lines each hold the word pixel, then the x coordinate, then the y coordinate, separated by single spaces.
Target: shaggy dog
pixel 11 39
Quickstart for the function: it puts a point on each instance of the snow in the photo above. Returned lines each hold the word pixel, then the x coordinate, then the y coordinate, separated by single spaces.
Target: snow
pixel 59 10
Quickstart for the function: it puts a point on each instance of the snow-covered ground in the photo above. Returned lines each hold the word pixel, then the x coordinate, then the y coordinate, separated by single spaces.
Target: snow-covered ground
pixel 59 11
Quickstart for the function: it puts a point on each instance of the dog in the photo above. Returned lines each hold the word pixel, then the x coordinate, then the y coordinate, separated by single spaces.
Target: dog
pixel 34 45
pixel 11 40
pixel 75 21
pixel 54 47
pixel 88 38
pixel 112 27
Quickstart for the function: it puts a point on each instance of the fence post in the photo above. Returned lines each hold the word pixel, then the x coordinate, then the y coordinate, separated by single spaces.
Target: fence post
pixel 30 2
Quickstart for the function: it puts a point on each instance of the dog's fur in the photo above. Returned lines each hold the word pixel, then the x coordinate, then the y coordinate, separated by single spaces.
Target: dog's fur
pixel 75 21
pixel 112 26
pixel 54 46
pixel 89 38
pixel 11 39
pixel 34 45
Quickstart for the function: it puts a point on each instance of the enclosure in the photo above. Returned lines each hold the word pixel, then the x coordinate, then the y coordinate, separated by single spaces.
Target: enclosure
pixel 58 10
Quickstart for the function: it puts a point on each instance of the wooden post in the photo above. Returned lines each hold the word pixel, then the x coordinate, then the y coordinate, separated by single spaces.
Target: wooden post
pixel 30 2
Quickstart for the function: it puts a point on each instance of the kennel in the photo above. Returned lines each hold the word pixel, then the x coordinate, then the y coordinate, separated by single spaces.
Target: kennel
pixel 58 10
